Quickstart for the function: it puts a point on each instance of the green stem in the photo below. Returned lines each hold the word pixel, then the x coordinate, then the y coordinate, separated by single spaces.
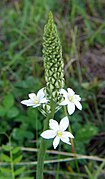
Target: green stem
pixel 72 143
pixel 43 146
pixel 12 164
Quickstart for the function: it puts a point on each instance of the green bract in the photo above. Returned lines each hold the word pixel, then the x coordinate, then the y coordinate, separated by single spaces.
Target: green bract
pixel 53 61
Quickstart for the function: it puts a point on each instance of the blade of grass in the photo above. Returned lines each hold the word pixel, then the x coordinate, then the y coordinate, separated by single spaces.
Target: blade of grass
pixel 89 173
pixel 99 169
pixel 97 32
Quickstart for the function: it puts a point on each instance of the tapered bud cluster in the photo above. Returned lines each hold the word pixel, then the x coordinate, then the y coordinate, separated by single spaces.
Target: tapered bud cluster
pixel 53 61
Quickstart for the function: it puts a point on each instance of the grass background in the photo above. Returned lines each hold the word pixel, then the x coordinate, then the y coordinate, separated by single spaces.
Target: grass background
pixel 81 27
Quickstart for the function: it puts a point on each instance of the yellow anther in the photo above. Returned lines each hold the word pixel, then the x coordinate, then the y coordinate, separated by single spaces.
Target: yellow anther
pixel 36 101
pixel 71 98
pixel 59 133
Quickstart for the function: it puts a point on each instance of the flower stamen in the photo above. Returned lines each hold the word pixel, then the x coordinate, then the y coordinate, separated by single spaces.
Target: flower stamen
pixel 59 133
pixel 36 101
pixel 71 98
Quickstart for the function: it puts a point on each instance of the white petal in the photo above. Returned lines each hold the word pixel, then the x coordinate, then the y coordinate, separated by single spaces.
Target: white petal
pixel 54 125
pixel 56 142
pixel 63 103
pixel 70 91
pixel 65 140
pixel 64 92
pixel 64 123
pixel 71 108
pixel 78 105
pixel 44 100
pixel 77 97
pixel 28 102
pixel 32 96
pixel 67 134
pixel 48 134
pixel 36 105
pixel 40 94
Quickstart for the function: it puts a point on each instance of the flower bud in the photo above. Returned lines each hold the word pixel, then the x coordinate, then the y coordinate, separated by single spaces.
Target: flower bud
pixel 53 61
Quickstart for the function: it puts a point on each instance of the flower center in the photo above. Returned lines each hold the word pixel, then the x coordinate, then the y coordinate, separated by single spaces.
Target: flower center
pixel 59 133
pixel 36 101
pixel 71 98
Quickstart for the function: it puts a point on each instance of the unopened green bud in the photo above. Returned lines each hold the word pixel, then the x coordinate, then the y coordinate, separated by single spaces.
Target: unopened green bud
pixel 53 61
pixel 46 108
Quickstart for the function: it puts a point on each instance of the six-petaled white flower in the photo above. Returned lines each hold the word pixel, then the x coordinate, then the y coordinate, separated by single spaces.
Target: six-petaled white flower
pixel 57 131
pixel 35 100
pixel 71 100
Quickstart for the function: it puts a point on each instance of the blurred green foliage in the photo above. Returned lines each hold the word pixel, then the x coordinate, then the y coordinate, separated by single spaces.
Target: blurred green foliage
pixel 81 28
pixel 12 156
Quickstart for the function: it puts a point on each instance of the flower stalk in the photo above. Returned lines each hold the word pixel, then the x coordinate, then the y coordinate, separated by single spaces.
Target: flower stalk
pixel 54 77
pixel 42 150
pixel 43 144
pixel 72 143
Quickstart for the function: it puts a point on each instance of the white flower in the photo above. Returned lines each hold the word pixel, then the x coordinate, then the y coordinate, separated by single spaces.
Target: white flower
pixel 71 100
pixel 57 131
pixel 35 100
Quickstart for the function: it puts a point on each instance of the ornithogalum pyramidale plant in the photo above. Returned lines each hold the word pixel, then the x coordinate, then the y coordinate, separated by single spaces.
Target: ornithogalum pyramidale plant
pixel 52 97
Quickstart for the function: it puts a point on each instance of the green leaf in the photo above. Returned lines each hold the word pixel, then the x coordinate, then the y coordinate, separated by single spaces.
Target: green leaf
pixel 15 150
pixel 5 157
pixel 18 159
pixel 25 178
pixel 8 101
pixel 80 147
pixel 13 112
pixel 34 119
pixel 86 132
pixel 29 135
pixel 6 147
pixel 6 177
pixel 2 111
pixel 19 171
pixel 5 170
pixel 20 134
pixel 21 118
